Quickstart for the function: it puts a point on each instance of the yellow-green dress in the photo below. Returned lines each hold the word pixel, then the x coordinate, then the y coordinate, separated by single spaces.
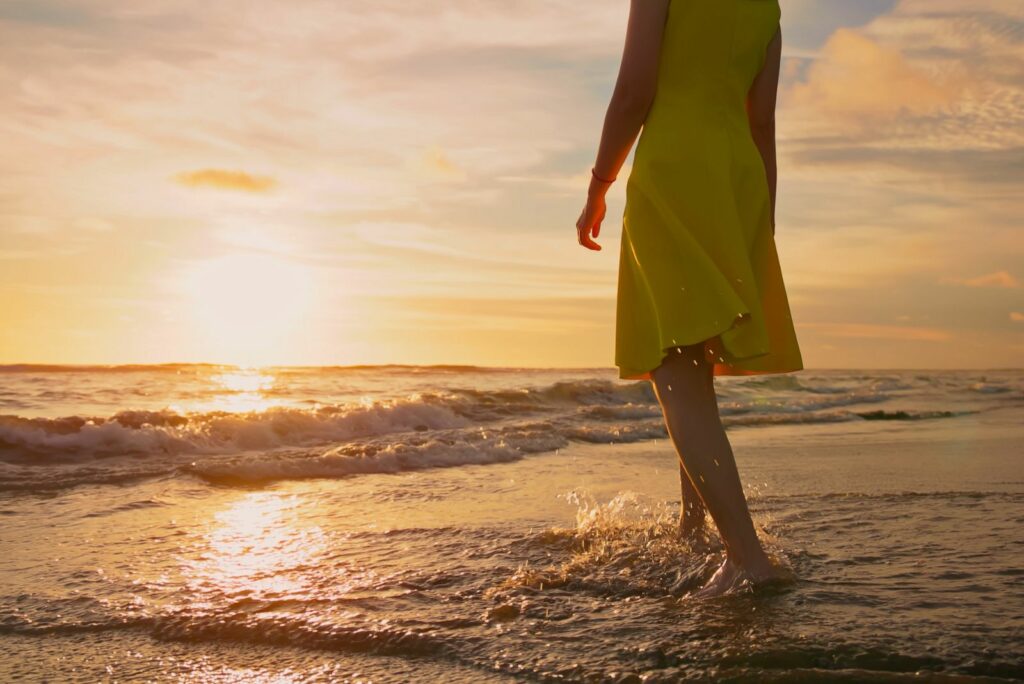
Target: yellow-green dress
pixel 697 259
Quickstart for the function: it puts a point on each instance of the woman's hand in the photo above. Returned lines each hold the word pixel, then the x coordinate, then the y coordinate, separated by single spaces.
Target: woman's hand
pixel 589 222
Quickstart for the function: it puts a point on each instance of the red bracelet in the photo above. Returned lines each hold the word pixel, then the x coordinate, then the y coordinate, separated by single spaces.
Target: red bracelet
pixel 603 180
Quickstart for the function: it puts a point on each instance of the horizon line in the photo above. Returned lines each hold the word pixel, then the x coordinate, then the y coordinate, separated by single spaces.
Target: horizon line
pixel 42 367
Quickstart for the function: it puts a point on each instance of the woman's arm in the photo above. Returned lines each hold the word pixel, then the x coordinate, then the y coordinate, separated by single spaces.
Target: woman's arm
pixel 761 112
pixel 630 102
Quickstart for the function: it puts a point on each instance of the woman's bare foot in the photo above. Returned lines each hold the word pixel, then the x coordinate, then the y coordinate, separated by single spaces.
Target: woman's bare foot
pixel 730 577
pixel 724 579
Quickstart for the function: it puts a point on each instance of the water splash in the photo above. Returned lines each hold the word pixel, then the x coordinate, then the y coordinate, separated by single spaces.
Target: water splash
pixel 627 546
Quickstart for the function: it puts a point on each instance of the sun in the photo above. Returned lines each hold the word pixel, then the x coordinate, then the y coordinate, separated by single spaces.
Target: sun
pixel 248 308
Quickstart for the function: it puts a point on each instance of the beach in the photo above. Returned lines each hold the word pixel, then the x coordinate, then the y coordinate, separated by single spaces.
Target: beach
pixel 193 523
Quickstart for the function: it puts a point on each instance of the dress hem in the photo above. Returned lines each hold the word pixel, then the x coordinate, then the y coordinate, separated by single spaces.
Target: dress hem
pixel 720 349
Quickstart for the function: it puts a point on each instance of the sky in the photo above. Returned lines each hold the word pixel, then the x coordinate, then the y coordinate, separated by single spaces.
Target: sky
pixel 385 181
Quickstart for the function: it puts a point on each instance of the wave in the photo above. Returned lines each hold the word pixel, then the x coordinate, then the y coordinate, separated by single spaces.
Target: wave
pixel 905 495
pixel 385 453
pixel 453 427
pixel 283 630
pixel 64 440
pixel 167 432
pixel 28 440
pixel 389 453
pixel 989 388
pixel 347 460
pixel 911 415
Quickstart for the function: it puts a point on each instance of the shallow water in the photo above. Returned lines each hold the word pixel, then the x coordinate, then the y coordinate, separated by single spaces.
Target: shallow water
pixel 397 524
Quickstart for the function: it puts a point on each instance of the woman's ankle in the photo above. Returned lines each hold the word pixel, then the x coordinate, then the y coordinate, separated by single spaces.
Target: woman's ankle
pixel 752 560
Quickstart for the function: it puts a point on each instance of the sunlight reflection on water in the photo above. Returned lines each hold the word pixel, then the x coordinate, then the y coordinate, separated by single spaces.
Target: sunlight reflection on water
pixel 241 390
pixel 257 547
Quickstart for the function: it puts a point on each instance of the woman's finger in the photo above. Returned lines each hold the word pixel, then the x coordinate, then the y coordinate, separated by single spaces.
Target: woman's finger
pixel 587 242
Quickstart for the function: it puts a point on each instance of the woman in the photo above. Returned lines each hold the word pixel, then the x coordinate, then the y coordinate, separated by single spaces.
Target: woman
pixel 700 292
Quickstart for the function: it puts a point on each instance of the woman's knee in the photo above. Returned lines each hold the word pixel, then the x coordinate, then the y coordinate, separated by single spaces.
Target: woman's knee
pixel 688 366
pixel 690 357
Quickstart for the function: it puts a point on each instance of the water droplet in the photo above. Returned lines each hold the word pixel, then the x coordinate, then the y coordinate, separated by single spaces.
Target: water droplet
pixel 739 280
pixel 695 362
pixel 701 478
pixel 669 388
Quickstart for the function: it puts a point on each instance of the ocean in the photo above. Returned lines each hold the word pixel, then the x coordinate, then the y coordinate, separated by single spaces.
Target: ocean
pixel 421 523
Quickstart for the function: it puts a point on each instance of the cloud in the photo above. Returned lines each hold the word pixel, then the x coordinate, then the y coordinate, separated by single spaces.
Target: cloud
pixel 1000 279
pixel 857 77
pixel 989 168
pixel 924 79
pixel 226 180
pixel 1017 316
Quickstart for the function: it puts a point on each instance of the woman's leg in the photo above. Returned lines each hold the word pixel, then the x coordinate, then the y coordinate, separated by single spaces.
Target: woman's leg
pixel 692 514
pixel 684 385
